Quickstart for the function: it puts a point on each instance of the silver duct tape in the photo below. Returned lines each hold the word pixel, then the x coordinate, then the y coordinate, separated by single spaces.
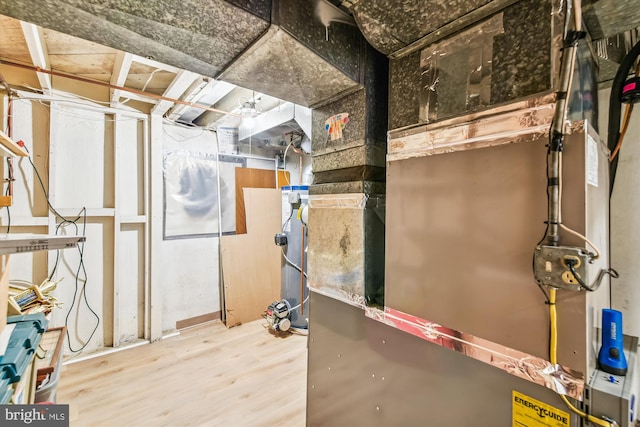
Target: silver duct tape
pixel 346 201
pixel 498 126
pixel 560 379
pixel 339 294
pixel 531 368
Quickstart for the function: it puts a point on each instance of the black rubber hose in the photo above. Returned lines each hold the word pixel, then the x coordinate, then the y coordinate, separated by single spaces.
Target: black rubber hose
pixel 615 107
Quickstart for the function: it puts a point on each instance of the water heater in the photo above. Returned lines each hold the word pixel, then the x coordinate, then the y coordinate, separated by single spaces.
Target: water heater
pixel 294 259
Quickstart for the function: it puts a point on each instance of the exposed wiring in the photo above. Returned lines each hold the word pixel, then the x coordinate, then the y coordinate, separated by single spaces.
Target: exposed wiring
pixel 8 191
pixel 553 350
pixel 9 130
pixel 143 87
pixel 595 255
pixel 299 305
pixel 293 264
pixel 625 124
pixel 185 138
pixel 300 152
pixel 112 86
pixel 81 266
pixel 613 131
pixel 82 289
pixel 65 113
pixel 44 190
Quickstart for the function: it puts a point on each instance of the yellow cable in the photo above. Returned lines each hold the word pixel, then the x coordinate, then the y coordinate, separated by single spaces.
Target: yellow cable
pixel 553 318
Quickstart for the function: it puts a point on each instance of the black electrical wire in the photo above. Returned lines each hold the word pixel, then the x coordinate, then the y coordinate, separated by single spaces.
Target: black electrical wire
pixel 615 107
pixel 46 195
pixel 10 179
pixel 578 278
pixel 8 213
pixel 546 230
pixel 81 266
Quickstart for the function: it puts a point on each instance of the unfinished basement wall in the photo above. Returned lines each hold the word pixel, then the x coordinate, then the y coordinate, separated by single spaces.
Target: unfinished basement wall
pixel 190 268
pixel 190 271
pixel 91 161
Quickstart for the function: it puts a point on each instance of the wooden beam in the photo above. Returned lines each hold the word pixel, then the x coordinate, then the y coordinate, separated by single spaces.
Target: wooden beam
pixel 156 64
pixel 176 89
pixel 155 228
pixel 213 92
pixel 195 92
pixel 119 74
pixel 8 148
pixel 38 50
pixel 122 88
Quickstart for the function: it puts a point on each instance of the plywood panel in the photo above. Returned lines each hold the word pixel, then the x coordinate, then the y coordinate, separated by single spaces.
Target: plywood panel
pixel 83 64
pixel 12 42
pixel 64 44
pixel 251 262
pixel 253 178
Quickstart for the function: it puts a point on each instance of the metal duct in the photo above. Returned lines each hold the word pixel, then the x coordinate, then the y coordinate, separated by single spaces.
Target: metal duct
pixel 605 18
pixel 277 122
pixel 290 50
pixel 397 28
pixel 198 36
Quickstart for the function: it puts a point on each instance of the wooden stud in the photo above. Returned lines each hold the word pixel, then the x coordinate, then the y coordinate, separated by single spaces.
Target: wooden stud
pixel 155 227
pixel 38 51
pixel 8 148
pixel 119 74
pixel 181 83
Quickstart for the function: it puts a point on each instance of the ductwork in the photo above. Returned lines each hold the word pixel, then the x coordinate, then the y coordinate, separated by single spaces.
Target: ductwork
pixel 306 52
pixel 276 123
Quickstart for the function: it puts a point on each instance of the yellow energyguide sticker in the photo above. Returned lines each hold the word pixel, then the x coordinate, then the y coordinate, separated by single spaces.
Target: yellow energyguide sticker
pixel 529 412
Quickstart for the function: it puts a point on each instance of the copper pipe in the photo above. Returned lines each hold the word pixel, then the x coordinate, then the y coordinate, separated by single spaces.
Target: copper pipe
pixel 112 86
pixel 4 83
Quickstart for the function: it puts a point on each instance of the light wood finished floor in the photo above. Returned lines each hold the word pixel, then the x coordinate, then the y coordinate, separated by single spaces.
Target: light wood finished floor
pixel 207 376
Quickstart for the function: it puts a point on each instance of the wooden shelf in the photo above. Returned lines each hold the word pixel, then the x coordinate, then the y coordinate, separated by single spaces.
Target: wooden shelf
pixel 8 148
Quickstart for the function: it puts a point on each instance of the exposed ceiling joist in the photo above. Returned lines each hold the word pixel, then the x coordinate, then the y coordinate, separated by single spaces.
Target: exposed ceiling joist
pixel 155 64
pixel 119 74
pixel 38 50
pixel 192 94
pixel 213 92
pixel 178 86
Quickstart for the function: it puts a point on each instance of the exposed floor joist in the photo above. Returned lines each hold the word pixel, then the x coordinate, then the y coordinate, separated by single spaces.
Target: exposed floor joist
pixel 119 74
pixel 38 51
pixel 178 86
pixel 210 94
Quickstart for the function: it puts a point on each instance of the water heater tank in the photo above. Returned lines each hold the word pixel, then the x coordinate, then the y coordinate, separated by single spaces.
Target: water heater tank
pixel 294 283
